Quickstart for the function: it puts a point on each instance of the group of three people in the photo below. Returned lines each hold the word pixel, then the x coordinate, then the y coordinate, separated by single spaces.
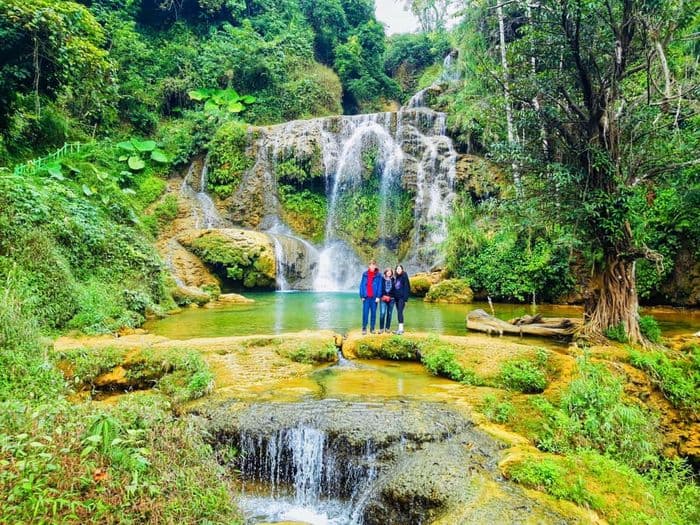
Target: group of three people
pixel 387 290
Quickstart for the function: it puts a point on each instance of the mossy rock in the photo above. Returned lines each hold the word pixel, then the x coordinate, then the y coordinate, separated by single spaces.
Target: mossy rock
pixel 454 291
pixel 243 258
pixel 422 281
pixel 185 295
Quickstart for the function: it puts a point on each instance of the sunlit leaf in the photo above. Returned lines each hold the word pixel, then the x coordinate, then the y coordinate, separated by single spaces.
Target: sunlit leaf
pixel 136 163
pixel 159 156
pixel 144 145
pixel 127 145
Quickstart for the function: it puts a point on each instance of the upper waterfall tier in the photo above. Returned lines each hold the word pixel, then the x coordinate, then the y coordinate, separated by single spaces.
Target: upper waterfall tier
pixel 401 163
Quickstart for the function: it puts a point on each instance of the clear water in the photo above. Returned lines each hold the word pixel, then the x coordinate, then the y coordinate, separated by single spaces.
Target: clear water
pixel 279 312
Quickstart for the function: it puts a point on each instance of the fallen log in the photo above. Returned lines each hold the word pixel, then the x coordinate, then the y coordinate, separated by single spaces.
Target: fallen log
pixel 480 321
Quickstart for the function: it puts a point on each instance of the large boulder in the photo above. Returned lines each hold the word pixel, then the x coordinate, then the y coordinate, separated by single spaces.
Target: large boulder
pixel 241 258
pixel 455 291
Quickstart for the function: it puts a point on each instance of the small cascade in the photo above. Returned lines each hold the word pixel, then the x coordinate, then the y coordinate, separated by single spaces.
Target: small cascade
pixel 296 259
pixel 204 213
pixel 450 73
pixel 307 474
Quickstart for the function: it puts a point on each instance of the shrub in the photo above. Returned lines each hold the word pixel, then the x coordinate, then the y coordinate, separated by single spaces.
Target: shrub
pixel 551 477
pixel 616 333
pixel 395 348
pixel 497 411
pixel 650 328
pixel 166 210
pixel 525 375
pixel 306 353
pixel 440 360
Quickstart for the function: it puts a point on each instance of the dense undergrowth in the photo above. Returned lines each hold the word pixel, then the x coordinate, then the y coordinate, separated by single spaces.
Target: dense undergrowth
pixel 68 462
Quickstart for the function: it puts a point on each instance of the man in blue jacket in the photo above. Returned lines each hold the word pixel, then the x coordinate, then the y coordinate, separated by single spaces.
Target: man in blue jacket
pixel 370 292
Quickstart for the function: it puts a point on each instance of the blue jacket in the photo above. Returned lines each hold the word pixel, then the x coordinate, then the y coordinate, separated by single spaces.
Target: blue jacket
pixel 376 285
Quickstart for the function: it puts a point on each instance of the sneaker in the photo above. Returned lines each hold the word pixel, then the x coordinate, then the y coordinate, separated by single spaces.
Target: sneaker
pixel 373 332
pixel 399 332
pixel 364 332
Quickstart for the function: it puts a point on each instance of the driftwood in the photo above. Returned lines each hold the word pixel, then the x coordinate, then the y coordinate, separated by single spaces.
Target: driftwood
pixel 480 321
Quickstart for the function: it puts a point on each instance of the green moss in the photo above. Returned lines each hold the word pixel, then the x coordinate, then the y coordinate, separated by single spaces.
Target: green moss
pixel 450 291
pixel 243 263
pixel 394 348
pixel 310 353
pixel 498 411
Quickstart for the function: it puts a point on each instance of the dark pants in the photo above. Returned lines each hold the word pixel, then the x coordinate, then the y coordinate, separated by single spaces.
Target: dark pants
pixel 400 305
pixel 369 309
pixel 385 310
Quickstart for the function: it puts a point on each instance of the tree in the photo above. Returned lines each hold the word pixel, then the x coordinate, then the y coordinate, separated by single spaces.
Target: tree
pixel 597 69
pixel 432 14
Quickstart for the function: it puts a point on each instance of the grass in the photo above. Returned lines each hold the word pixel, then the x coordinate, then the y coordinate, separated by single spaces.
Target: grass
pixel 593 413
pixel 441 360
pixel 394 348
pixel 616 491
pixel 678 379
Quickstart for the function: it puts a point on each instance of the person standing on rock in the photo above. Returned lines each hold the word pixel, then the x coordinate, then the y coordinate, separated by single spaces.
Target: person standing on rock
pixel 402 289
pixel 370 292
pixel 386 304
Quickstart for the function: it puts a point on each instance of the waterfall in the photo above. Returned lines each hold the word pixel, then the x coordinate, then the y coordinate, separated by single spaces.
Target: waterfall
pixel 296 259
pixel 305 471
pixel 204 212
pixel 450 73
pixel 407 151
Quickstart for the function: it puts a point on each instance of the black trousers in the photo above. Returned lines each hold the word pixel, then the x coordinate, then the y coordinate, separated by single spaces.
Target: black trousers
pixel 400 305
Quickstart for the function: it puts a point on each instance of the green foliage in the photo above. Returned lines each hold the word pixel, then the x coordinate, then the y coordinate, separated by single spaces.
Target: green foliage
pixel 592 413
pixel 217 101
pixel 524 375
pixel 228 159
pixel 524 255
pixel 497 411
pixel 650 328
pixel 616 333
pixel 166 210
pixel 440 360
pixel 408 56
pixel 549 476
pixel 394 348
pixel 678 379
pixel 305 211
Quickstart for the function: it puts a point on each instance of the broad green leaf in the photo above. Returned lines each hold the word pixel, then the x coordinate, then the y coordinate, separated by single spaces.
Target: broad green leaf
pixel 235 107
pixel 55 171
pixel 248 99
pixel 74 169
pixel 159 156
pixel 87 190
pixel 200 94
pixel 145 145
pixel 127 145
pixel 210 106
pixel 123 158
pixel 136 163
pixel 229 95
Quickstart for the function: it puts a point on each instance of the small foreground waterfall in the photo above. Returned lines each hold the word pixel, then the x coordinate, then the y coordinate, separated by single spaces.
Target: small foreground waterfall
pixel 399 153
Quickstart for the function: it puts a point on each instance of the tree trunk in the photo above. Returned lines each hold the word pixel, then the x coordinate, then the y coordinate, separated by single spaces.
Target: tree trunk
pixel 506 95
pixel 613 301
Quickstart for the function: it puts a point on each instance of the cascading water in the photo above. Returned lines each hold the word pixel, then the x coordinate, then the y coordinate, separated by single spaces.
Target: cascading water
pixel 309 477
pixel 296 258
pixel 204 212
pixel 410 152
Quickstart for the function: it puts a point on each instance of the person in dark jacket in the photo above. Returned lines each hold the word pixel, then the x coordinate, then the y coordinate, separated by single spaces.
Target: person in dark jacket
pixel 402 289
pixel 386 303
pixel 370 292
